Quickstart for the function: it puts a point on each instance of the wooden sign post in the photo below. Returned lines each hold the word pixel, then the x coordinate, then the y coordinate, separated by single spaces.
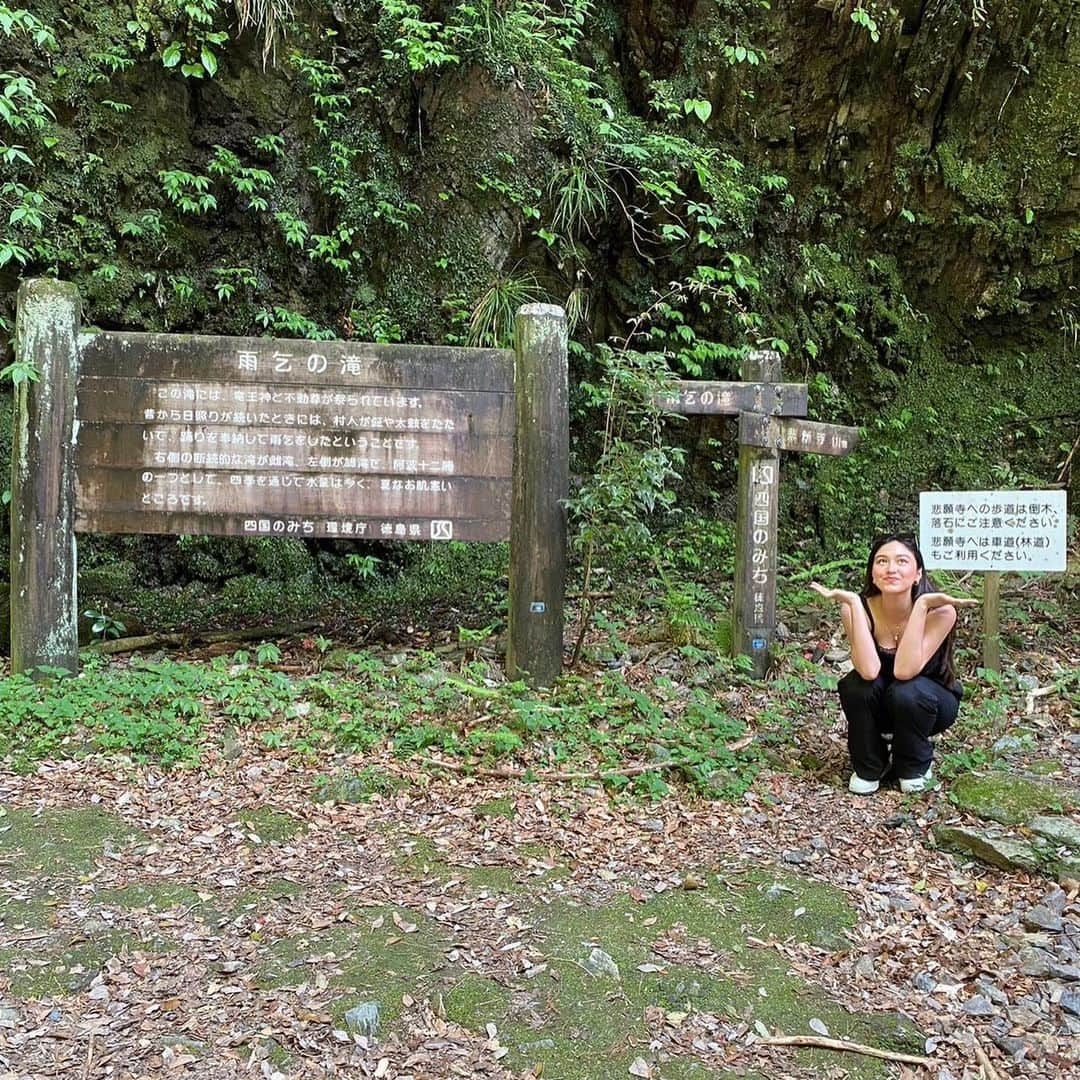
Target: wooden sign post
pixel 769 411
pixel 44 608
pixel 183 434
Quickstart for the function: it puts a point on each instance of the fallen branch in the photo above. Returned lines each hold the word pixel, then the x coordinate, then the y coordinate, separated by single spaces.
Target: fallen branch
pixel 984 1062
pixel 838 1044
pixel 506 773
pixel 207 637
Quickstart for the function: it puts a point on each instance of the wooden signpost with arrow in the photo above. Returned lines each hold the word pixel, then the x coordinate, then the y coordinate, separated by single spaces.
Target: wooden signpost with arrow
pixel 770 415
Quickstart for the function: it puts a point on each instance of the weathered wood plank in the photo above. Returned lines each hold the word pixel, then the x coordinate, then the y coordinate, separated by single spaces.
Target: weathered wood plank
pixel 203 358
pixel 754 604
pixel 712 398
pixel 541 486
pixel 792 433
pixel 44 609
pixel 207 446
pixel 209 492
pixel 991 621
pixel 359 527
pixel 103 400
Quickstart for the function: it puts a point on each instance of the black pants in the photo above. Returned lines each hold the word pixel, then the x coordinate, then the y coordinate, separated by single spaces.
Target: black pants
pixel 912 709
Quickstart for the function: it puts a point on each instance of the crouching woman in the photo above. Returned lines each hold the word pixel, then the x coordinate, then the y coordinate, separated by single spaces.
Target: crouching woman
pixel 903 688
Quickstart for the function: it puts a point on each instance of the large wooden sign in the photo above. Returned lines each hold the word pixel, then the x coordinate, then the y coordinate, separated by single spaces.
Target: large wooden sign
pixel 248 436
pixel 769 421
pixel 164 433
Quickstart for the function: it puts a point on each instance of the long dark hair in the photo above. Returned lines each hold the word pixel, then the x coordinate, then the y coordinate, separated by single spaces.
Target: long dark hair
pixel 924 585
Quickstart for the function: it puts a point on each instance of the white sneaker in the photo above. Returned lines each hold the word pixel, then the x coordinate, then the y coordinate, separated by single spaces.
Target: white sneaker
pixel 859 786
pixel 916 783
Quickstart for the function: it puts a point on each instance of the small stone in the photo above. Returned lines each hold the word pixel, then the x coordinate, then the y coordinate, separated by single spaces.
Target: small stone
pixel 991 992
pixel 977 1005
pixel 1065 972
pixel 819 843
pixel 1059 829
pixel 653 825
pixel 1070 1002
pixel 540 1044
pixel 363 1019
pixel 797 858
pixel 8 1014
pixel 834 656
pixel 1042 918
pixel 1016 1048
pixel 659 754
pixel 1056 900
pixel 1034 963
pixel 1023 1016
pixel 864 967
pixel 925 982
pixel 601 965
pixel 1008 744
pixel 894 821
pixel 1027 682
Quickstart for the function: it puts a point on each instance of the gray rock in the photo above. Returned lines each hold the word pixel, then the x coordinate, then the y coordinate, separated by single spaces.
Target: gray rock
pixel 1059 829
pixel 1064 972
pixel 925 982
pixel 991 992
pixel 1015 1047
pixel 864 967
pixel 1008 744
pixel 1027 682
pixel 978 1006
pixel 797 858
pixel 1035 963
pixel 834 656
pixel 540 1044
pixel 601 965
pixel 1006 852
pixel 659 754
pixel 1041 917
pixel 1070 1002
pixel 1024 1016
pixel 8 1014
pixel 1056 900
pixel 363 1019
pixel 894 821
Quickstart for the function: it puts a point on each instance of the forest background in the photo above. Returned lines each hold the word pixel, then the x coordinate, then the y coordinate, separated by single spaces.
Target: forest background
pixel 889 195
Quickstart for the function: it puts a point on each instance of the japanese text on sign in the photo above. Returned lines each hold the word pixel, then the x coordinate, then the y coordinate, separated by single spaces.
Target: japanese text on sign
pixel 993 530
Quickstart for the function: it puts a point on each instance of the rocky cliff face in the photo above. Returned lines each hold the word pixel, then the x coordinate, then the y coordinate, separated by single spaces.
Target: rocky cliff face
pixel 891 193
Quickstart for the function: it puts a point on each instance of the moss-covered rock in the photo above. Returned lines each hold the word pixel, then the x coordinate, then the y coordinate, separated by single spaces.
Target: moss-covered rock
pixel 1005 798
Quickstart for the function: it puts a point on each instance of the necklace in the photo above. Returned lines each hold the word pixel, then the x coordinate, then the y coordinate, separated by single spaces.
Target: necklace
pixel 898 633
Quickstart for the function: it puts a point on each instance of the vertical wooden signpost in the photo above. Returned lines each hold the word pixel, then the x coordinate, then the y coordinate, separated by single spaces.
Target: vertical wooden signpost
pixel 44 619
pixel 769 412
pixel 186 434
pixel 541 482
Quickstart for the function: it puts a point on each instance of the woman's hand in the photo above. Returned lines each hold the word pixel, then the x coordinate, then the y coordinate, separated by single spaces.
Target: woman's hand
pixel 840 595
pixel 932 600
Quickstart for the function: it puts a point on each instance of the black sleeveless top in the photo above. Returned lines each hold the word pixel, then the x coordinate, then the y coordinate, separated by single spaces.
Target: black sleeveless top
pixel 934 668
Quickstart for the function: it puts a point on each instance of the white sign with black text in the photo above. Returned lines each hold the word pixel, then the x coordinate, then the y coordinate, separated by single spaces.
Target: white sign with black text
pixel 993 530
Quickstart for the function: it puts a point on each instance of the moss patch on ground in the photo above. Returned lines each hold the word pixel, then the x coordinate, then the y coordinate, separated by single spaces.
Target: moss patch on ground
pixel 421 857
pixel 1007 799
pixel 67 966
pixel 373 959
pixel 581 1026
pixel 270 826
pixel 63 843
